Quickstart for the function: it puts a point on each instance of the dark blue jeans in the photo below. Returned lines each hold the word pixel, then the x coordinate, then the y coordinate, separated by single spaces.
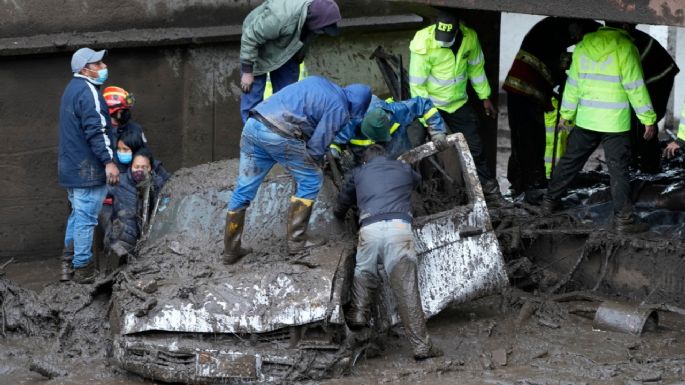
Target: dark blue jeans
pixel 260 150
pixel 287 74
pixel 85 207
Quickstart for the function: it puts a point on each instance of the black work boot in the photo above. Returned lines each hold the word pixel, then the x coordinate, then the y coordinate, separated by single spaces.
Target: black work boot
pixel 629 225
pixel 493 197
pixel 67 257
pixel 85 274
pixel 233 251
pixel 548 205
pixel 363 287
pixel 298 219
pixel 404 283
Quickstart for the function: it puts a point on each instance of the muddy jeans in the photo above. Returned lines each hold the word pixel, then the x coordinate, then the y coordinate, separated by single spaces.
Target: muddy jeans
pixel 384 242
pixel 581 144
pixel 85 207
pixel 260 150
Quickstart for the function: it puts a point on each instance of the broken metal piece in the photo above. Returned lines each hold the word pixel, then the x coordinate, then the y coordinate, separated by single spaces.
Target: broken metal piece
pixel 625 318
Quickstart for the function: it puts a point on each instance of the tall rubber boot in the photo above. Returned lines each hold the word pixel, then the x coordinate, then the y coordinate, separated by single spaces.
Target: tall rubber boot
pixel 298 220
pixel 404 283
pixel 233 251
pixel 493 197
pixel 86 274
pixel 629 224
pixel 67 257
pixel 363 287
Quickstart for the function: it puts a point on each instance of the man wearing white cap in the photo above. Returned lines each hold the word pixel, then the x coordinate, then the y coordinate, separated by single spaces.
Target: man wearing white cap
pixel 85 163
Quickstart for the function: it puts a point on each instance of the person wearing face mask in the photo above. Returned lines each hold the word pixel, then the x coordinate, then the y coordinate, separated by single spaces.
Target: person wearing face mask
pixel 128 203
pixel 444 56
pixel 275 39
pixel 86 160
pixel 119 102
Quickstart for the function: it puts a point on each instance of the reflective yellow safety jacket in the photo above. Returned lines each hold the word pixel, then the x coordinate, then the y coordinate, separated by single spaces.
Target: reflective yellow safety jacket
pixel 562 137
pixel 437 74
pixel 604 81
pixel 269 88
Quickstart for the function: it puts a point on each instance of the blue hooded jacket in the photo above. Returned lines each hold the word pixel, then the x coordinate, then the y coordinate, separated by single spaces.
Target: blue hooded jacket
pixel 84 135
pixel 316 109
pixel 402 115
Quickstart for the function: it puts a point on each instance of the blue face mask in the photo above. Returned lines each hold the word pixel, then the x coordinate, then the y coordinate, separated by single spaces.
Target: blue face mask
pixel 102 76
pixel 125 157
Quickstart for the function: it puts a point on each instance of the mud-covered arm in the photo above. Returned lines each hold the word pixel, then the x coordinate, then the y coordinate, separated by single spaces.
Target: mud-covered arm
pixel 347 197
pixel 94 123
pixel 423 109
pixel 328 127
pixel 255 34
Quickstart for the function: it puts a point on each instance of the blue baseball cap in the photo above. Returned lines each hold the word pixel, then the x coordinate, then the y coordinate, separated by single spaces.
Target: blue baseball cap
pixel 84 56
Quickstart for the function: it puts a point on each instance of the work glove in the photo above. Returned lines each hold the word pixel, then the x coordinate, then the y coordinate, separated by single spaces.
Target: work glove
pixel 440 141
pixel 335 151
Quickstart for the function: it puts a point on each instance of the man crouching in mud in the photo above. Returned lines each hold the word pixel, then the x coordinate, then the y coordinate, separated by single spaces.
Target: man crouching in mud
pixel 294 128
pixel 382 189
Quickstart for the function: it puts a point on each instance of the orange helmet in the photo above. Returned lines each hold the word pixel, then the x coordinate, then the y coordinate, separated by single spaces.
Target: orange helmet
pixel 117 99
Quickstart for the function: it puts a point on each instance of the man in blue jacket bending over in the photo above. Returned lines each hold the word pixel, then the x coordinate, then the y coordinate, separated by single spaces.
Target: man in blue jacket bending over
pixel 293 128
pixel 85 162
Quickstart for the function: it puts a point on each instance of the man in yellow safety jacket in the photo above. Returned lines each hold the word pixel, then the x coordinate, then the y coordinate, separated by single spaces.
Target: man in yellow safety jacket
pixel 444 56
pixel 604 81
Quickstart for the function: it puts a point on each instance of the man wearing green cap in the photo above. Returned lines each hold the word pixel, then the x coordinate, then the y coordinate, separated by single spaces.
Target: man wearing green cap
pixel 387 122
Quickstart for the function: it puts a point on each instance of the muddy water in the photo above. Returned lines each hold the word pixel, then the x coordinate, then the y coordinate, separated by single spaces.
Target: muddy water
pixel 482 342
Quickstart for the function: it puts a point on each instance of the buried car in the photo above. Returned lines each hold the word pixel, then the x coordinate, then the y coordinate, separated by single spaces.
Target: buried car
pixel 179 315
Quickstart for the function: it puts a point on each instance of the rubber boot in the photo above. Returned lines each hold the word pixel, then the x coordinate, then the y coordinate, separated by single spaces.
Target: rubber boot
pixel 67 257
pixel 405 285
pixel 85 274
pixel 493 197
pixel 548 206
pixel 629 225
pixel 363 287
pixel 298 220
pixel 233 251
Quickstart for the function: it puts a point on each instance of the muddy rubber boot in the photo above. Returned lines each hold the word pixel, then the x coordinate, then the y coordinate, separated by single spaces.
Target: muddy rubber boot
pixel 67 257
pixel 629 225
pixel 493 197
pixel 404 283
pixel 548 206
pixel 85 274
pixel 233 251
pixel 298 220
pixel 363 287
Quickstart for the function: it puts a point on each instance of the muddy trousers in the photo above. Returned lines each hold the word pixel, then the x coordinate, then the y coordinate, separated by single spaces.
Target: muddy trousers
pixel 85 207
pixel 285 75
pixel 260 150
pixel 581 144
pixel 466 121
pixel 391 243
pixel 526 167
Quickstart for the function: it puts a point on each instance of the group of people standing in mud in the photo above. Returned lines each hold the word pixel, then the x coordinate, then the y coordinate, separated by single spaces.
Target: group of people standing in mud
pixel 309 121
pixel 104 163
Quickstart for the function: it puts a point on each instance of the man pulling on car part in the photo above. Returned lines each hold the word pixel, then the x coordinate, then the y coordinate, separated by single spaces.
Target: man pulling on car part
pixel 382 189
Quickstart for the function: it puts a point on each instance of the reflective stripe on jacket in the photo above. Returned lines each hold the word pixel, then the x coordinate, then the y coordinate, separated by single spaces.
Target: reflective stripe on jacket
pixel 604 81
pixel 436 73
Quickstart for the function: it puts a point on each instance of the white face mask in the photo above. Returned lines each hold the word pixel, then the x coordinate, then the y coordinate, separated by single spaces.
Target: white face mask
pixel 448 44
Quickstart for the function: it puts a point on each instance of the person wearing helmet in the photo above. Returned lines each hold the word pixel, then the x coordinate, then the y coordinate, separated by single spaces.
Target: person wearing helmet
pixel 293 128
pixel 119 102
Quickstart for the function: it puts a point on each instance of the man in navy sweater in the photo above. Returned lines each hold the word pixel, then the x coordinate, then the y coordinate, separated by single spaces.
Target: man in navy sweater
pixel 85 162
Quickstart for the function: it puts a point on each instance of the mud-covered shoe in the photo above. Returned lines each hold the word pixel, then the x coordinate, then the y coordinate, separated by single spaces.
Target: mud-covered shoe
pixel 629 225
pixel 67 256
pixel 298 221
pixel 432 352
pixel 493 197
pixel 85 274
pixel 548 206
pixel 233 250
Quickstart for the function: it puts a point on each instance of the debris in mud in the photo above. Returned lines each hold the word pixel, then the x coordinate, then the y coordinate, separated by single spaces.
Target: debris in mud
pixel 46 369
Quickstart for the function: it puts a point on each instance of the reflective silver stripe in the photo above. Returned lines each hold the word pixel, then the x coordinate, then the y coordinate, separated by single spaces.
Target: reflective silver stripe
pixel 438 102
pixel 478 79
pixel 634 85
pixel 96 99
pixel 647 49
pixel 605 105
pixel 478 60
pixel 569 106
pixel 643 109
pixel 662 74
pixel 572 81
pixel 445 82
pixel 604 78
pixel 416 79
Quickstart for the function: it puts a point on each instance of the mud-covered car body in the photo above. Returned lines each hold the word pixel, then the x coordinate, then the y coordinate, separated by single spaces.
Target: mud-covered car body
pixel 179 315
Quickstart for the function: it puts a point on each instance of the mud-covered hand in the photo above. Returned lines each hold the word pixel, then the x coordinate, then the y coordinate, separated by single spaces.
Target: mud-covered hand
pixel 490 109
pixel 671 149
pixel 440 141
pixel 650 131
pixel 112 173
pixel 246 81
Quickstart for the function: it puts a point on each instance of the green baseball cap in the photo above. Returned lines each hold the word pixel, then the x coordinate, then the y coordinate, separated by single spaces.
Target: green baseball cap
pixel 376 125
